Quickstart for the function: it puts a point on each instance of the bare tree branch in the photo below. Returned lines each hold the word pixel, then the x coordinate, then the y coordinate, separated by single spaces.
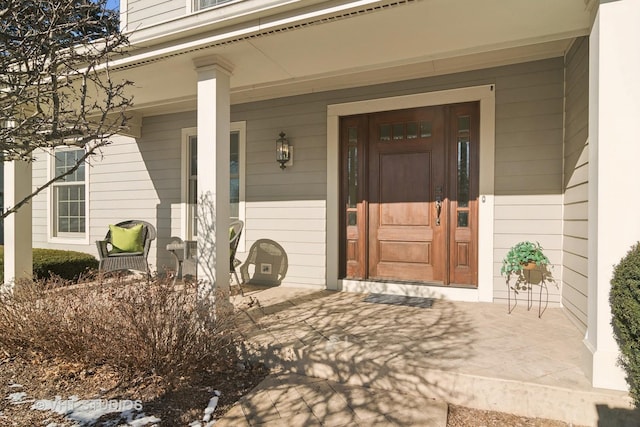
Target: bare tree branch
pixel 55 85
pixel 88 153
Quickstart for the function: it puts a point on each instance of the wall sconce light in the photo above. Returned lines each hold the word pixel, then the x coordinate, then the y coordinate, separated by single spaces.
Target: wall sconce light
pixel 283 150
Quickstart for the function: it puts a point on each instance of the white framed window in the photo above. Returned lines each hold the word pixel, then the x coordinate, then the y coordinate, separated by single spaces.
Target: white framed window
pixel 237 148
pixel 206 4
pixel 68 207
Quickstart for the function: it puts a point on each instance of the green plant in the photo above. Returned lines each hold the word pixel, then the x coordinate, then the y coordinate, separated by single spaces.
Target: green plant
pixel 520 255
pixel 68 265
pixel 625 319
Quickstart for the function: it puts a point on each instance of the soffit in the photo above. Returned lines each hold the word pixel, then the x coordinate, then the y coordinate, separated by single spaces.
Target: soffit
pixel 416 39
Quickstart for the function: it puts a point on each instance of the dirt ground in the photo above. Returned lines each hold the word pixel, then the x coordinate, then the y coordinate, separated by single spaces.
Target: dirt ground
pixel 465 417
pixel 185 403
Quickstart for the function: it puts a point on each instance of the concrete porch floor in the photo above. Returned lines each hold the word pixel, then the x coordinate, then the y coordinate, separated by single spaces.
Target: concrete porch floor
pixel 340 360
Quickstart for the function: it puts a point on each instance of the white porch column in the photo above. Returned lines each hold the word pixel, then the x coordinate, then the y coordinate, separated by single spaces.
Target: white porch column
pixel 214 119
pixel 18 260
pixel 614 156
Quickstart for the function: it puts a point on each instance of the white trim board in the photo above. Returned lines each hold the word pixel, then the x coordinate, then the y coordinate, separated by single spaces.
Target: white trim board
pixel 485 94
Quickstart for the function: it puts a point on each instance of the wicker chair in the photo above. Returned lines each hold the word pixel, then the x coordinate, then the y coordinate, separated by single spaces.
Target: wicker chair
pixel 136 261
pixel 270 264
pixel 235 230
pixel 185 253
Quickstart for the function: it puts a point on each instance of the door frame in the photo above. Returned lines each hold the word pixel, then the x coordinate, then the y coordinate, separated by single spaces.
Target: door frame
pixel 485 94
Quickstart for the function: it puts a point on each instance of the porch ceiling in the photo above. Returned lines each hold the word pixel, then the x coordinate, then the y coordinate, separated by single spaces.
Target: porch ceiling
pixel 379 44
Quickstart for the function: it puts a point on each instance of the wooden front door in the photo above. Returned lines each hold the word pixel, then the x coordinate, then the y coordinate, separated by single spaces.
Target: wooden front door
pixel 409 192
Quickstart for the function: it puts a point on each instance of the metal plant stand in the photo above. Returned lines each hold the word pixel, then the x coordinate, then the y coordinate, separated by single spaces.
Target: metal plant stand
pixel 527 285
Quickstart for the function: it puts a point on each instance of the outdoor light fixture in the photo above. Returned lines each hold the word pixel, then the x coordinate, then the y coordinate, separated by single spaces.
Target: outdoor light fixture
pixel 283 152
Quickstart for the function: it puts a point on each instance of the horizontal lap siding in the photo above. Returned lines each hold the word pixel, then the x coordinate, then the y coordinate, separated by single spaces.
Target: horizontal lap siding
pixel 39 203
pixel 142 13
pixel 132 179
pixel 299 227
pixel 288 206
pixel 536 218
pixel 529 112
pixel 142 178
pixel 161 148
pixel 575 260
pixel 528 173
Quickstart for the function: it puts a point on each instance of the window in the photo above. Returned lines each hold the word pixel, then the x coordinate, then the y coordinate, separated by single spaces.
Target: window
pixel 236 178
pixel 205 4
pixel 69 195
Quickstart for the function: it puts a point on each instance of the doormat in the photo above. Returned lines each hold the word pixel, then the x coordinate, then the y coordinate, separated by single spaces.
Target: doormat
pixel 403 300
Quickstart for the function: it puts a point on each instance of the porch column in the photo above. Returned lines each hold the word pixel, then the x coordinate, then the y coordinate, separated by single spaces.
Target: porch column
pixel 18 260
pixel 614 222
pixel 214 118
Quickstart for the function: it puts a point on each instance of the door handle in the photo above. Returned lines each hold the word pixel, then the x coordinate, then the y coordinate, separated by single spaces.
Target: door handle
pixel 438 210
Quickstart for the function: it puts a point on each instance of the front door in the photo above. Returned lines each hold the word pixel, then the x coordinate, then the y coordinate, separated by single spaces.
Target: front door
pixel 409 192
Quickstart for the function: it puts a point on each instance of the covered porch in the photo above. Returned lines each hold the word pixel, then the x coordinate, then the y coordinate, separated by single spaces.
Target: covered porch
pixel 373 359
pixel 553 162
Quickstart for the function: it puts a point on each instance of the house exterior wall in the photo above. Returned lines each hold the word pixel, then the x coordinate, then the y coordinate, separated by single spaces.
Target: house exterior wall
pixel 288 206
pixel 141 179
pixel 529 111
pixel 142 13
pixel 576 159
pixel 528 184
pixel 133 179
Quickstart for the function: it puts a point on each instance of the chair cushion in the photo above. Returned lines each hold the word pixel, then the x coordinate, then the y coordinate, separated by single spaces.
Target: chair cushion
pixel 126 239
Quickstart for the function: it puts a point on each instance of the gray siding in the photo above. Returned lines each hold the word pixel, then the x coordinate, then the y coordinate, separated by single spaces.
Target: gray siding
pixel 576 155
pixel 288 206
pixel 142 178
pixel 529 114
pixel 142 13
pixel 133 179
pixel 528 174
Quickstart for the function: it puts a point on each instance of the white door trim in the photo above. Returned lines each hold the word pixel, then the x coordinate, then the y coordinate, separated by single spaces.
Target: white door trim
pixel 486 96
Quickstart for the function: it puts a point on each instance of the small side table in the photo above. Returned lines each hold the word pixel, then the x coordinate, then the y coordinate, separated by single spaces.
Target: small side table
pixel 185 255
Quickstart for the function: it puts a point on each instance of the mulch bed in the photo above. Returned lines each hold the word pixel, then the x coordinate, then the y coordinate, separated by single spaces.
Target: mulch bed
pixel 182 404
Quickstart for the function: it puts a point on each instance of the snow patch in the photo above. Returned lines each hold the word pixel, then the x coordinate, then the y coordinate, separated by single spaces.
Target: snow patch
pixel 208 412
pixel 87 412
pixel 17 397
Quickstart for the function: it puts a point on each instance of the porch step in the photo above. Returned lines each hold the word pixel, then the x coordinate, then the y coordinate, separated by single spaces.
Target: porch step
pixel 350 364
pixel 286 399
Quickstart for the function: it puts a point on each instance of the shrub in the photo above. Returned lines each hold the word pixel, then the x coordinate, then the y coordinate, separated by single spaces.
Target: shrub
pixel 625 309
pixel 69 265
pixel 136 327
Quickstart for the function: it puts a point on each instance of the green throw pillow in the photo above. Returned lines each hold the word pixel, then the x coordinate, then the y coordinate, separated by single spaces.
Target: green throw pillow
pixel 126 239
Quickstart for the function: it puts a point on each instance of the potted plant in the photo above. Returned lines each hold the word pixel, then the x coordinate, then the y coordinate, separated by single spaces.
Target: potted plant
pixel 523 256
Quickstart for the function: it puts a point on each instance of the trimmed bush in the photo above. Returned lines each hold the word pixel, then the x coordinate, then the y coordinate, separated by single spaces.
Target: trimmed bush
pixel 137 327
pixel 625 310
pixel 68 265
